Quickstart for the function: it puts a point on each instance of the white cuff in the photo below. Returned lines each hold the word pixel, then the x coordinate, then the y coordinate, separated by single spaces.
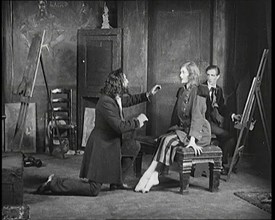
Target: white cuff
pixel 148 96
pixel 232 116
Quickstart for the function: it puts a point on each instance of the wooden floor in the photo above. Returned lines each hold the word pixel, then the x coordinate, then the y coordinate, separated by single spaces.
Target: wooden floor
pixel 162 202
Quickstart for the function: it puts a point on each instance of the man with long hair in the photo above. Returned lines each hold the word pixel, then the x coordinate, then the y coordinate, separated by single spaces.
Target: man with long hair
pixel 102 160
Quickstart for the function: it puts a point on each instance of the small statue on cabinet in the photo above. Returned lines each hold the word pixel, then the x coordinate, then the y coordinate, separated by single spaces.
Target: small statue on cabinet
pixel 105 18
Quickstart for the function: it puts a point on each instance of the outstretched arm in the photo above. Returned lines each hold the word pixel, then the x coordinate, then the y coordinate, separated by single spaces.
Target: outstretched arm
pixel 130 100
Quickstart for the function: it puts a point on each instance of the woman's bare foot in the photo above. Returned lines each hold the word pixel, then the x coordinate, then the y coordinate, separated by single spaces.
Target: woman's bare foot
pixel 153 181
pixel 140 187
pixel 141 184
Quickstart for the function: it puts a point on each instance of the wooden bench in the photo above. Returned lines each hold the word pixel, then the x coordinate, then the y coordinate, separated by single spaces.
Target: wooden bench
pixel 185 159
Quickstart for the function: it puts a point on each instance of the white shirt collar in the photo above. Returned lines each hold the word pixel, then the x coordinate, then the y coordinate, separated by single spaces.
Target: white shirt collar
pixel 209 86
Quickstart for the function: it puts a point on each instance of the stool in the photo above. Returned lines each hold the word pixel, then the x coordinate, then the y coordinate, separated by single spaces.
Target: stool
pixel 185 158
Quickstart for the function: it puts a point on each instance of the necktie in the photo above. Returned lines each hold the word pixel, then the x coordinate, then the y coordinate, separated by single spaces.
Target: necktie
pixel 213 96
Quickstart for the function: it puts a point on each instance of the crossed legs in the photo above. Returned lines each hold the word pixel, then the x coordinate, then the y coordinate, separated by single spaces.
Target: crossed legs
pixel 163 156
pixel 226 141
pixel 149 178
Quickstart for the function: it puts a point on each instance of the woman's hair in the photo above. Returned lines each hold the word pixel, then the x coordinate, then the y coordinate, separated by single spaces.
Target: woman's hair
pixel 194 72
pixel 114 84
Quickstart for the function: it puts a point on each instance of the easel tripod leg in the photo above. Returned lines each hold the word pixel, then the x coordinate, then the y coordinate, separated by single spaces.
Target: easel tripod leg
pixel 262 113
pixel 25 106
pixel 235 153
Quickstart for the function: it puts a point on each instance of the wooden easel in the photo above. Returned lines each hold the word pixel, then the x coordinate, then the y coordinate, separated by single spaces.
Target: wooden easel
pixel 246 121
pixel 25 90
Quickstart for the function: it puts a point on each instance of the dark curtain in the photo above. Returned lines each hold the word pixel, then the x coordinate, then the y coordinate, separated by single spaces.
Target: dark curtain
pixel 249 33
pixel 268 78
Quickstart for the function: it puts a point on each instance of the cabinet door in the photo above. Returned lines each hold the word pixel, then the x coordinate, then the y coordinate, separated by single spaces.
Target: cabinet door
pixel 98 53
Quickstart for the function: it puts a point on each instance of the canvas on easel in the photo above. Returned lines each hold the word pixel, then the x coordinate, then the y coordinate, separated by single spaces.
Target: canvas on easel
pixel 25 90
pixel 29 140
pixel 247 121
pixel 88 125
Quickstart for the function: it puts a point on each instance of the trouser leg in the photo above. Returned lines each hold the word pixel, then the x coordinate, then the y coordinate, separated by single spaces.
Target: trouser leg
pixel 126 164
pixel 228 148
pixel 69 186
pixel 219 132
pixel 130 150
pixel 226 141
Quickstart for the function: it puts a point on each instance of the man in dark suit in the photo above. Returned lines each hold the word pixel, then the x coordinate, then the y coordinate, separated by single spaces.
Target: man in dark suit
pixel 216 110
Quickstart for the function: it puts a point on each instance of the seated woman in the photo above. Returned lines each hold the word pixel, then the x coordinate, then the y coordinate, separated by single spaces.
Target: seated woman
pixel 189 128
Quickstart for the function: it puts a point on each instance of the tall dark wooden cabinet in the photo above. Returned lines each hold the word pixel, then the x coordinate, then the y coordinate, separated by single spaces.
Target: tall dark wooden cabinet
pixel 99 51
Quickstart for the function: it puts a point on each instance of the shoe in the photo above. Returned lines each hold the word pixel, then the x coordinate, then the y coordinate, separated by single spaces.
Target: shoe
pixel 234 169
pixel 122 186
pixel 45 186
pixel 224 171
pixel 31 161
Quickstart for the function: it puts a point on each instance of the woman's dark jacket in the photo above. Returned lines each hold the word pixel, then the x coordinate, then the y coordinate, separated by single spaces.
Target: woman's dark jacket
pixel 188 117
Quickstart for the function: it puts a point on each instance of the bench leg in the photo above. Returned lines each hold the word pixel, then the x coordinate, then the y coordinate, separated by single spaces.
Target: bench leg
pixel 184 172
pixel 214 176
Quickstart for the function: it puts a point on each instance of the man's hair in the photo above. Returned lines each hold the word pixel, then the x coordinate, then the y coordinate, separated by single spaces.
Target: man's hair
pixel 213 67
pixel 193 71
pixel 114 83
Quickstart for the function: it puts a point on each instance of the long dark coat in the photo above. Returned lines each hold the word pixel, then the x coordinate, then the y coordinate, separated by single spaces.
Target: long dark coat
pixel 102 157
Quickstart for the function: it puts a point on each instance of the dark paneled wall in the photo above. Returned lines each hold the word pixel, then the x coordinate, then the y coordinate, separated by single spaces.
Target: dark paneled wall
pixel 60 19
pixel 248 31
pixel 179 31
pixel 238 34
pixel 135 48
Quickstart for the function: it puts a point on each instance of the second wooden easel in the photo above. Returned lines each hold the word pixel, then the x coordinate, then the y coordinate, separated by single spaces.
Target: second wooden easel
pixel 246 121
